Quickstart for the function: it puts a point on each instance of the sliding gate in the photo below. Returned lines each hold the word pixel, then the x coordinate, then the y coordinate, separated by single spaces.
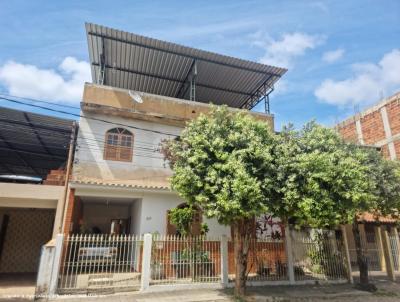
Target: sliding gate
pixel 100 263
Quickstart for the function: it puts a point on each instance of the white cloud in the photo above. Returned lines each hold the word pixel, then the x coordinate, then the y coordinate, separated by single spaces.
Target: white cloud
pixel 62 85
pixel 282 52
pixel 368 83
pixel 333 56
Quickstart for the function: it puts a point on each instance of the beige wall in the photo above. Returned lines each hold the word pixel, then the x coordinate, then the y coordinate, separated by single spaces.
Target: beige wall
pixel 13 195
pixel 161 109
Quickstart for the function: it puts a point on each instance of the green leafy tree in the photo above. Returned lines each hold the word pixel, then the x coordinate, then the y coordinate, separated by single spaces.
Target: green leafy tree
pixel 326 182
pixel 224 163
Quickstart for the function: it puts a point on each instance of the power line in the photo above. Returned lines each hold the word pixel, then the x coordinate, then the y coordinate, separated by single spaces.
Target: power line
pixel 86 117
pixel 39 101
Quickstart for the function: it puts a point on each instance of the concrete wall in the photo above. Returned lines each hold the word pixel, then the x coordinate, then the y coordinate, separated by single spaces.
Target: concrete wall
pixel 154 215
pixel 147 167
pixel 149 208
pixel 377 126
pixel 155 108
pixel 14 195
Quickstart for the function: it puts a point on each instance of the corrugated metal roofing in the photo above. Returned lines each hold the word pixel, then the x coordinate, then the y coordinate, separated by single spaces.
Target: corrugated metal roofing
pixel 144 64
pixel 32 144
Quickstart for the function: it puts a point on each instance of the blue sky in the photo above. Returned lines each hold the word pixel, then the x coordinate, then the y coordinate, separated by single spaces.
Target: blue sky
pixel 342 55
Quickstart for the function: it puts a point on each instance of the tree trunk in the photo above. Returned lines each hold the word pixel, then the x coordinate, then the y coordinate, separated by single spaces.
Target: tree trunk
pixel 241 238
pixel 361 258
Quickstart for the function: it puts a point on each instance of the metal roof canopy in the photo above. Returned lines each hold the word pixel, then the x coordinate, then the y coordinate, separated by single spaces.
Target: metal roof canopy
pixel 135 62
pixel 32 144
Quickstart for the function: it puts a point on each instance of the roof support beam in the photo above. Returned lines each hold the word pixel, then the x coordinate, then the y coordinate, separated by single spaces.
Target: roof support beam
pixel 182 90
pixel 103 36
pixel 102 59
pixel 171 79
pixel 261 93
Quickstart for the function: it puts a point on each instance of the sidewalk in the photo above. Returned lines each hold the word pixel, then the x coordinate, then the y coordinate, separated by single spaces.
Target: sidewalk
pixel 387 292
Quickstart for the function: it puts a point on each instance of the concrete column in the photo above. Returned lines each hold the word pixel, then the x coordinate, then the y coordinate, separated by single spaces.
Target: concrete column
pixel 388 133
pixel 388 256
pixel 224 261
pixel 43 279
pixel 146 262
pixel 289 254
pixel 56 265
pixel 347 254
pixel 395 234
pixel 359 132
pixel 380 247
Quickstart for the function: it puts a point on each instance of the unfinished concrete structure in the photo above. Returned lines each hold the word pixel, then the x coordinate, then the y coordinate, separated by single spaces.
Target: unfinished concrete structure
pixel 377 126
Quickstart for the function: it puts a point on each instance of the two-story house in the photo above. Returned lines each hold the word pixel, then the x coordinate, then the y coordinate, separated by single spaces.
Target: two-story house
pixel 143 92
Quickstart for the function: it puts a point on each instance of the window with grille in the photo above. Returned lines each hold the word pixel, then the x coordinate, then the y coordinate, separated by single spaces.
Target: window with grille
pixel 118 145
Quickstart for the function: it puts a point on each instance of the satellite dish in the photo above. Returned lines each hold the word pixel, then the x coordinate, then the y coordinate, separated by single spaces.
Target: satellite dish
pixel 135 96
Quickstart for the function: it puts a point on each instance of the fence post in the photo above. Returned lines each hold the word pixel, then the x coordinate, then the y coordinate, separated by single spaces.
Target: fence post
pixel 146 262
pixel 56 265
pixel 388 255
pixel 380 247
pixel 347 254
pixel 289 254
pixel 224 260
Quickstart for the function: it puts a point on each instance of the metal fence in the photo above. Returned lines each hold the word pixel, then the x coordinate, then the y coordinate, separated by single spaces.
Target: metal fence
pixel 107 263
pixel 266 260
pixel 394 241
pixel 373 253
pixel 100 263
pixel 176 259
pixel 319 256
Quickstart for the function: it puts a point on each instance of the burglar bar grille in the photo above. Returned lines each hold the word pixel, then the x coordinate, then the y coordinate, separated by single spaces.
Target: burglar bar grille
pixel 176 259
pixel 318 257
pixel 266 262
pixel 100 263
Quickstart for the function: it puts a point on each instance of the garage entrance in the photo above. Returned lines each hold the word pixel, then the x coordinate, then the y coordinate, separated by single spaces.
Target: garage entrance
pixel 23 232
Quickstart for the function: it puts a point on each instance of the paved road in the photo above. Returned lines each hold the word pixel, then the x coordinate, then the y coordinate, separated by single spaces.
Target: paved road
pixel 387 292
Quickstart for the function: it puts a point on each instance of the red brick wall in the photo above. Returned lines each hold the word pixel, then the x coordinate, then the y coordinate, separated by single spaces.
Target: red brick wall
pixel 372 126
pixel 349 132
pixel 393 111
pixel 73 213
pixel 397 148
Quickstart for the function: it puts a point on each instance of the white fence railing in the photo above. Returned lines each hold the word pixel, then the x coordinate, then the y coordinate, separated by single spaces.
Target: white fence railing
pixel 107 263
pixel 100 262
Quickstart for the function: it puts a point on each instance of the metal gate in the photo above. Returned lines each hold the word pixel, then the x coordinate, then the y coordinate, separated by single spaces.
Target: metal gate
pixel 106 263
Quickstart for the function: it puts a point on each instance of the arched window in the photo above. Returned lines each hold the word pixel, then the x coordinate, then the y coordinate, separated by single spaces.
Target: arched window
pixel 118 145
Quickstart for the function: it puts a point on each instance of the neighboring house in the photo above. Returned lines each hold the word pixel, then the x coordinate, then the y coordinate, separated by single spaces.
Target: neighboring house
pixel 33 154
pixel 377 126
pixel 144 92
